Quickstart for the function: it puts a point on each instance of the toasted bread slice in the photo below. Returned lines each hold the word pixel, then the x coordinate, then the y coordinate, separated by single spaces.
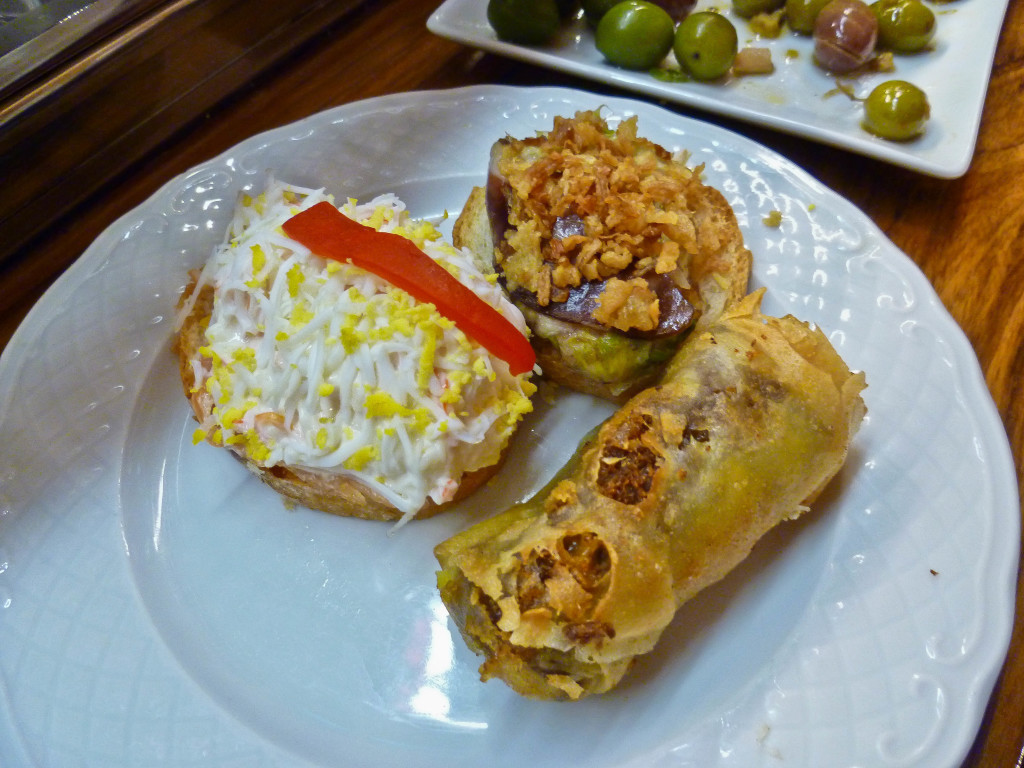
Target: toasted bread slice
pixel 330 492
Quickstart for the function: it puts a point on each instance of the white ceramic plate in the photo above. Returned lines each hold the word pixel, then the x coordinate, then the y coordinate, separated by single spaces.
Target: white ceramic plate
pixel 798 98
pixel 160 607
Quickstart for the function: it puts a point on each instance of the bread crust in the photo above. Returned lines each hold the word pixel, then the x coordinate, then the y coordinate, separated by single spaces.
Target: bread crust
pixel 324 491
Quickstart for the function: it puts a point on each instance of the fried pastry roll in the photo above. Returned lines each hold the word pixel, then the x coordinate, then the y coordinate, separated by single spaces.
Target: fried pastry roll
pixel 561 593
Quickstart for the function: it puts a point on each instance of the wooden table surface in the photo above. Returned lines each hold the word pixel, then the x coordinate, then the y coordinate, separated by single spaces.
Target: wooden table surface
pixel 967 235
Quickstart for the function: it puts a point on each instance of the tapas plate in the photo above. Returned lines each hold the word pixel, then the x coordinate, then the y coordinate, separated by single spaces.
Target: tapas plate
pixel 159 606
pixel 798 97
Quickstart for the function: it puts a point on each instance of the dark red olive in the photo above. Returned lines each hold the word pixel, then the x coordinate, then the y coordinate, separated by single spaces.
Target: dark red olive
pixel 845 33
pixel 677 9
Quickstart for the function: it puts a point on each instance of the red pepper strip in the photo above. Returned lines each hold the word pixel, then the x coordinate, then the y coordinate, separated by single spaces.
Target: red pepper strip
pixel 329 233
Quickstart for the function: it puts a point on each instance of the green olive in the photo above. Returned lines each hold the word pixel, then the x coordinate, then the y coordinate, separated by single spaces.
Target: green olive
pixel 705 45
pixel 594 10
pixel 524 22
pixel 801 14
pixel 896 110
pixel 750 8
pixel 904 26
pixel 635 34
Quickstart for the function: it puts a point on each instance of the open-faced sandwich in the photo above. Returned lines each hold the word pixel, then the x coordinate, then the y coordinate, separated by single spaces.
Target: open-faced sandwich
pixel 612 247
pixel 340 389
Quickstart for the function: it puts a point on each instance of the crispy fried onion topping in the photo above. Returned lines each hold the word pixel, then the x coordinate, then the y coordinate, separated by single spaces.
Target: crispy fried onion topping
pixel 592 204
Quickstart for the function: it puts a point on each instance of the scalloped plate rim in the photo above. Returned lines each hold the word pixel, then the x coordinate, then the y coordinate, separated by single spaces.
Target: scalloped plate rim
pixel 51 303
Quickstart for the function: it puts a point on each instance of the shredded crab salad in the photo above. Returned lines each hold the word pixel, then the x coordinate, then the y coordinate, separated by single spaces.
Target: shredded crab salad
pixel 322 365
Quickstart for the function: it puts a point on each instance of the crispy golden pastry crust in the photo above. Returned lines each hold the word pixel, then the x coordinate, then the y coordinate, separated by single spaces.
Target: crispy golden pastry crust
pixel 752 419
pixel 324 491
